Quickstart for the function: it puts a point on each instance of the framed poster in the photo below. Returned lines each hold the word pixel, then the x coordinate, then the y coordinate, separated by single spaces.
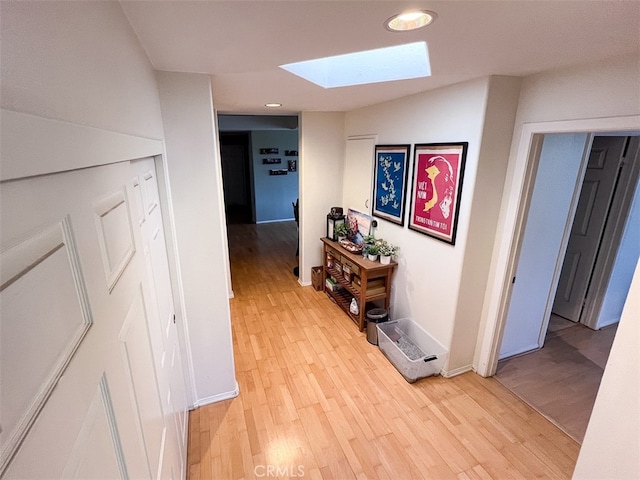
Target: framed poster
pixel 438 171
pixel 390 182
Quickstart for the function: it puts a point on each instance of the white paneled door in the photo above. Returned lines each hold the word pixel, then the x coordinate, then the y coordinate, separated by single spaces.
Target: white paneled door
pixel 90 368
pixel 597 192
pixel 164 338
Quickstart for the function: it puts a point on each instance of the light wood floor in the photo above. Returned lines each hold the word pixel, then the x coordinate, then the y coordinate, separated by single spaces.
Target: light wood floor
pixel 561 380
pixel 318 401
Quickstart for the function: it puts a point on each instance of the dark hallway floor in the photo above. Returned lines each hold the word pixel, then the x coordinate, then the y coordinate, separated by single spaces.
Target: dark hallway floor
pixel 561 380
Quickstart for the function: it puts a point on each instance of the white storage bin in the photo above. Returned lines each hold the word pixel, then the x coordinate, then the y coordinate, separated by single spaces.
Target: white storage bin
pixel 410 349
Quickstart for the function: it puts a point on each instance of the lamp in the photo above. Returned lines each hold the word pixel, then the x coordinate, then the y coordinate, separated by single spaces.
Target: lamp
pixel 332 222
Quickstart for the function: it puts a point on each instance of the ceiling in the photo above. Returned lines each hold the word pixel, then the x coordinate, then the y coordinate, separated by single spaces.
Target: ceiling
pixel 242 43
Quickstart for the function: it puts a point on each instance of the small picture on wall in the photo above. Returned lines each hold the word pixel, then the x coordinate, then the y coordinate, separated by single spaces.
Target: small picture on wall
pixel 270 161
pixel 359 224
pixel 269 151
pixel 291 153
pixel 438 171
pixel 280 171
pixel 293 165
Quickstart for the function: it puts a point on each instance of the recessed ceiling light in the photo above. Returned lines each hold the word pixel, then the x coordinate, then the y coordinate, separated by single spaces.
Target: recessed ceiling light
pixel 407 21
pixel 273 105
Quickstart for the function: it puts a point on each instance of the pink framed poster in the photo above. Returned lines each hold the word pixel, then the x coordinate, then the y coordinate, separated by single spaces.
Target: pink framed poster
pixel 438 171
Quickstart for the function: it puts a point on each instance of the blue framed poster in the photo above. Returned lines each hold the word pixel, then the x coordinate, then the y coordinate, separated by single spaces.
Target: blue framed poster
pixel 390 182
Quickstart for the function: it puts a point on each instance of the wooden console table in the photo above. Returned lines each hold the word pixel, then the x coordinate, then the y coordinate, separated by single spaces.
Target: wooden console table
pixel 364 280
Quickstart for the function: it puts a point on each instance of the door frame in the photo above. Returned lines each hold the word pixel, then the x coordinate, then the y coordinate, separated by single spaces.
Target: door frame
pixel 518 189
pixel 555 265
pixel 373 137
pixel 245 135
pixel 175 275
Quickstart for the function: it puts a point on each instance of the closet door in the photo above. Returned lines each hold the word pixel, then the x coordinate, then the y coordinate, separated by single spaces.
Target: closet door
pixel 84 386
pixel 358 173
pixel 164 338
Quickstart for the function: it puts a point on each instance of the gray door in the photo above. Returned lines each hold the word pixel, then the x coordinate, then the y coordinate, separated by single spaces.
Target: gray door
pixel 591 215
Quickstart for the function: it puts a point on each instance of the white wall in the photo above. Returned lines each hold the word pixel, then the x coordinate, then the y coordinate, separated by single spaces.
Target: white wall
pixel 79 62
pixel 622 273
pixel 427 282
pixel 195 179
pixel 602 89
pixel 59 85
pixel 502 102
pixel 321 166
pixel 612 440
pixel 274 194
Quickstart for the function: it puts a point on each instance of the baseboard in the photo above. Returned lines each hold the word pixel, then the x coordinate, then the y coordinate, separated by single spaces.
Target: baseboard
pixel 304 284
pixel 608 323
pixel 520 351
pixel 276 221
pixel 456 371
pixel 217 398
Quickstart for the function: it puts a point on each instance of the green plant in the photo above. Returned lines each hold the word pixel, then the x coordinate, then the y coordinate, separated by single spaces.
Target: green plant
pixel 341 230
pixel 369 240
pixel 373 249
pixel 387 249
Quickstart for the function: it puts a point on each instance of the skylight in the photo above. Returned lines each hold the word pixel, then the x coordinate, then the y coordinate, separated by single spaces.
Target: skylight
pixel 371 66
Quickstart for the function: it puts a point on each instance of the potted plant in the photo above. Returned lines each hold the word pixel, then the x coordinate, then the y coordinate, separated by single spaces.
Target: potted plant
pixel 341 231
pixel 386 251
pixel 372 252
pixel 367 241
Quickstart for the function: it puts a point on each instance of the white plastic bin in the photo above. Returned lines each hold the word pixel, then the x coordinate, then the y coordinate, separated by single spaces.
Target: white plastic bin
pixel 410 349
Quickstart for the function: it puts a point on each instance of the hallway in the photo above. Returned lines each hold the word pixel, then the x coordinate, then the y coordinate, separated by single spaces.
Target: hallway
pixel 317 400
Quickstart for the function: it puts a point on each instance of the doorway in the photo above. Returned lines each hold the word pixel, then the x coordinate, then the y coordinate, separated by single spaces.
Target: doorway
pixel 518 188
pixel 561 380
pixel 236 177
pixel 561 168
pixel 260 168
